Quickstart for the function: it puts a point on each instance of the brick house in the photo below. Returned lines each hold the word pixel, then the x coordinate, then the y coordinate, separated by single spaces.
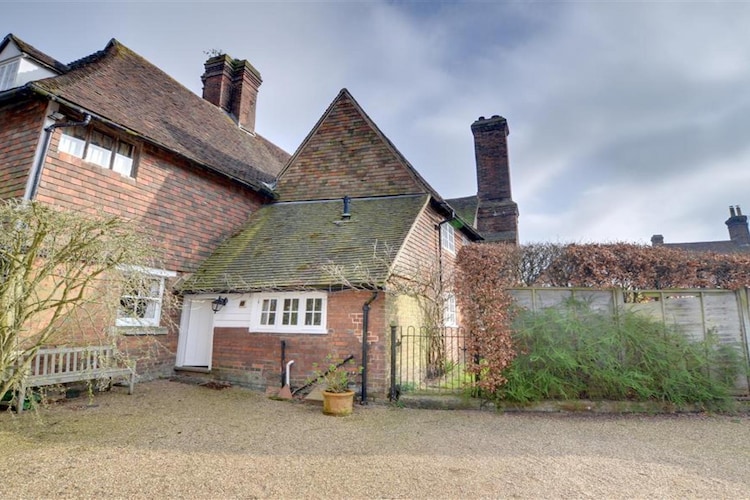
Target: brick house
pixel 299 253
pixel 111 132
pixel 354 238
pixel 738 242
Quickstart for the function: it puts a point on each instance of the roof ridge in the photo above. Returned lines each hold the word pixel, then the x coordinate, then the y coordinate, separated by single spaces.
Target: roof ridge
pixel 360 198
pixel 91 58
pixel 163 111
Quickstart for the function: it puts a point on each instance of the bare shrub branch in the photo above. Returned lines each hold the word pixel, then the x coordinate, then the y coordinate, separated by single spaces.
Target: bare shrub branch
pixel 60 272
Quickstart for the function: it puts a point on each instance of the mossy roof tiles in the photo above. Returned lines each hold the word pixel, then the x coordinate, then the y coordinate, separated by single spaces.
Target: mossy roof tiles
pixel 465 207
pixel 289 245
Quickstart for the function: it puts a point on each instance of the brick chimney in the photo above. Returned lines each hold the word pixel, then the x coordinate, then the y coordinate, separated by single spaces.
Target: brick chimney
pixel 232 85
pixel 737 225
pixel 497 213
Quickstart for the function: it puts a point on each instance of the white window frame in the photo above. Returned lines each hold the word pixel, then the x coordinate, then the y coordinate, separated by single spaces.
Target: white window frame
pixel 284 313
pixel 450 310
pixel 108 159
pixel 154 300
pixel 9 74
pixel 448 237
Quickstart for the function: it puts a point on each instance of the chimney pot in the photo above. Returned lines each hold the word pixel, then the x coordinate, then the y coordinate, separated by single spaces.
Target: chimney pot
pixel 737 225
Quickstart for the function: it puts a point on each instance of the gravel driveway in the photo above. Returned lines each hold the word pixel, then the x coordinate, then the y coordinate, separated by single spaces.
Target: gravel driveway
pixel 171 439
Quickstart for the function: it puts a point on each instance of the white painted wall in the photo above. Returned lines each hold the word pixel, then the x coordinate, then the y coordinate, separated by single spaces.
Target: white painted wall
pixel 28 69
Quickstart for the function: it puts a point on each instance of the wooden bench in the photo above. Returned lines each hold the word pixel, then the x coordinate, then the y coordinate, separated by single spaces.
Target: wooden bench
pixel 62 365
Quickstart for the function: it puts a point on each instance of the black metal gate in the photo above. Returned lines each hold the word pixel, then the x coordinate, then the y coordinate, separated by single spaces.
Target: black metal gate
pixel 428 360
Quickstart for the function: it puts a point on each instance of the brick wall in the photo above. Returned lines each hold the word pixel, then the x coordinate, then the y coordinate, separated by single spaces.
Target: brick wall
pixel 187 210
pixel 20 128
pixel 254 359
pixel 498 221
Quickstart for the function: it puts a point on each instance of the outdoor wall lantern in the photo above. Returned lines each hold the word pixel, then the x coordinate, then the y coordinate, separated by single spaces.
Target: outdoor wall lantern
pixel 218 303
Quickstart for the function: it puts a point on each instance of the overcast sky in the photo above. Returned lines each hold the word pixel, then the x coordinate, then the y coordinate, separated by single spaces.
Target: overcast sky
pixel 627 118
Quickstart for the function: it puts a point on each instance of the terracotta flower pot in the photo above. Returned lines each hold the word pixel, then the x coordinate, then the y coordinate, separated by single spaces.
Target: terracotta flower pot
pixel 338 404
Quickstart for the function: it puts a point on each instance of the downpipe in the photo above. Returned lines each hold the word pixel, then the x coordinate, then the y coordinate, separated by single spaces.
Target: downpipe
pixel 288 370
pixel 365 327
pixel 48 131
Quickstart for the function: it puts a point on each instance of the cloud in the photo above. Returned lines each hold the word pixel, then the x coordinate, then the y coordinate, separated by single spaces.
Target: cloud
pixel 626 118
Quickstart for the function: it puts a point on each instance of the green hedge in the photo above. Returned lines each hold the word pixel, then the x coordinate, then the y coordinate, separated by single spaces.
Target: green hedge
pixel 574 352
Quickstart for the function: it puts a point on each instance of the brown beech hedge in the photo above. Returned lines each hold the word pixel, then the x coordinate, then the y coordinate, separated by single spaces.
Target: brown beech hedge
pixel 486 271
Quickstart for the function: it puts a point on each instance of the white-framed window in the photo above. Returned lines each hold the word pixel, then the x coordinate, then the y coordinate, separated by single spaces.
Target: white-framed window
pixel 8 74
pixel 292 312
pixel 142 296
pixel 268 312
pixel 450 317
pixel 448 237
pixel 97 147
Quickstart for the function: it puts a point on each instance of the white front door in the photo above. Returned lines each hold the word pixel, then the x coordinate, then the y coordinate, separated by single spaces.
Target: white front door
pixel 196 333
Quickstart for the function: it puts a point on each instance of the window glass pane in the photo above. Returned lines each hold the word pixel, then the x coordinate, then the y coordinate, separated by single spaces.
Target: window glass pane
pixel 313 311
pixel 123 162
pixel 291 308
pixel 100 149
pixel 138 308
pixel 447 237
pixel 142 299
pixel 449 313
pixel 73 141
pixel 8 72
pixel 268 312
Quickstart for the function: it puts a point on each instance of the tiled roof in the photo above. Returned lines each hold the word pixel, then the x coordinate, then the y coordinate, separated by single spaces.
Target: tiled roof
pixel 40 56
pixel 466 208
pixel 120 86
pixel 726 246
pixel 288 245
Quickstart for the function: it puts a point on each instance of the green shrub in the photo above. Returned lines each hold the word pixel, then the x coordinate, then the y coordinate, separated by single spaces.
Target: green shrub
pixel 574 352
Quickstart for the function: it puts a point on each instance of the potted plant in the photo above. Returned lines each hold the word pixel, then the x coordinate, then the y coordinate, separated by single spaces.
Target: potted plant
pixel 338 398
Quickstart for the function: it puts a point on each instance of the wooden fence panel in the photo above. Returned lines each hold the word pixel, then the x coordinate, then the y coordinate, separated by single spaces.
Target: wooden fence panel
pixel 535 299
pixel 695 313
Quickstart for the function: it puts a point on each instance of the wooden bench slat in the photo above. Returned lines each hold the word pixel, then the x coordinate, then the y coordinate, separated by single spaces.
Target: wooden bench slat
pixel 63 365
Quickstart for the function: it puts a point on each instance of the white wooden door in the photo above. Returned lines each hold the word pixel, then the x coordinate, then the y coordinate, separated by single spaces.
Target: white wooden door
pixel 197 334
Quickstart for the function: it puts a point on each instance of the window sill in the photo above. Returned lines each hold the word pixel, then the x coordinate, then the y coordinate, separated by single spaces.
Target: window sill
pixel 270 331
pixel 139 330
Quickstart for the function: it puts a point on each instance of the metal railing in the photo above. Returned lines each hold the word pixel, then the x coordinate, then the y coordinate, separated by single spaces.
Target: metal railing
pixel 428 360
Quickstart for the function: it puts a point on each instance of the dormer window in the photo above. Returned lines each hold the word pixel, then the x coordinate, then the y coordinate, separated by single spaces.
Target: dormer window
pixel 97 147
pixel 8 73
